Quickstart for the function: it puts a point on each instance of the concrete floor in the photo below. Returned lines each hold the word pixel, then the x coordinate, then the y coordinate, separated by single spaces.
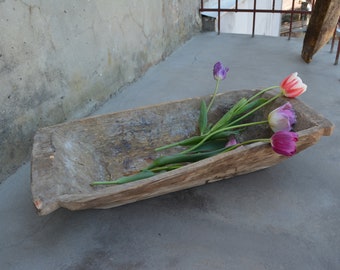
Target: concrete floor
pixel 284 217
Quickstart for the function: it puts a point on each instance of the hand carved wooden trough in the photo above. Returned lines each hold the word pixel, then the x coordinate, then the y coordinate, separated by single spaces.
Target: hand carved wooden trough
pixel 66 158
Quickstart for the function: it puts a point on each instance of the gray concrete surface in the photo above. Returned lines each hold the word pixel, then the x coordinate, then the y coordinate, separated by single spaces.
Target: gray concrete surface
pixel 63 59
pixel 284 217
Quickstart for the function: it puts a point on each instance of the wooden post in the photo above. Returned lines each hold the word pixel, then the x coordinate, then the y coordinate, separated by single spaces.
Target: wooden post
pixel 321 27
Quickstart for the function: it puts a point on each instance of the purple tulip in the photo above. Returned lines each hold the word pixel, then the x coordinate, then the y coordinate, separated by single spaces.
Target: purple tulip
pixel 220 72
pixel 282 118
pixel 284 142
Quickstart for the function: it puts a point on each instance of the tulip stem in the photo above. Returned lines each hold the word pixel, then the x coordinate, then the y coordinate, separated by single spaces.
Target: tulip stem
pixel 247 142
pixel 262 91
pixel 214 95
pixel 255 109
pixel 208 136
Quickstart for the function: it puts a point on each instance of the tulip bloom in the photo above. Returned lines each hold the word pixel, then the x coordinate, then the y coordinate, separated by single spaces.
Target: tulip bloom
pixel 292 86
pixel 220 72
pixel 282 118
pixel 284 142
pixel 232 141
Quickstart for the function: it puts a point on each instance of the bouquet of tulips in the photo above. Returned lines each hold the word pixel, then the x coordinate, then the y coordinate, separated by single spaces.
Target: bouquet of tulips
pixel 219 137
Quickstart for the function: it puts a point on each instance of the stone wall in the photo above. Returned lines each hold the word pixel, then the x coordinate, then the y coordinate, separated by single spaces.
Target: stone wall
pixel 60 60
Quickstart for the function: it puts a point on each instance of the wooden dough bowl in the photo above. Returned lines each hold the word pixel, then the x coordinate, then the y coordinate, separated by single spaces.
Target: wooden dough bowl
pixel 67 157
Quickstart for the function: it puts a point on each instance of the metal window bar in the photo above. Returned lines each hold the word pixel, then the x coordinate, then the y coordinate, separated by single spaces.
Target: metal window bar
pixel 336 35
pixel 254 11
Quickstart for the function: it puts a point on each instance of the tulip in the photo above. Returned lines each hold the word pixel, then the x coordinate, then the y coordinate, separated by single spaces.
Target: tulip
pixel 282 118
pixel 292 86
pixel 284 142
pixel 220 72
pixel 232 141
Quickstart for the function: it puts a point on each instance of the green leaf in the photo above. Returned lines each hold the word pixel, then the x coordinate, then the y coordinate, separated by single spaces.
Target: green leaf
pixel 196 139
pixel 251 105
pixel 225 134
pixel 181 158
pixel 126 179
pixel 227 117
pixel 212 145
pixel 186 142
pixel 203 119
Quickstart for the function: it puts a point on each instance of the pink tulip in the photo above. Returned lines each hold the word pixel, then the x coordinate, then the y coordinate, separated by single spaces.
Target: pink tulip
pixel 232 141
pixel 292 86
pixel 282 118
pixel 284 142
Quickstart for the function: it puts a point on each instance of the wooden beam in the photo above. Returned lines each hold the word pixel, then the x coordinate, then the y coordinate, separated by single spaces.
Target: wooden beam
pixel 321 27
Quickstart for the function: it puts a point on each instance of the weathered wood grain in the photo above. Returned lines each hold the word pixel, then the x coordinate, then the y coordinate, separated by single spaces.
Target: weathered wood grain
pixel 321 27
pixel 66 158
